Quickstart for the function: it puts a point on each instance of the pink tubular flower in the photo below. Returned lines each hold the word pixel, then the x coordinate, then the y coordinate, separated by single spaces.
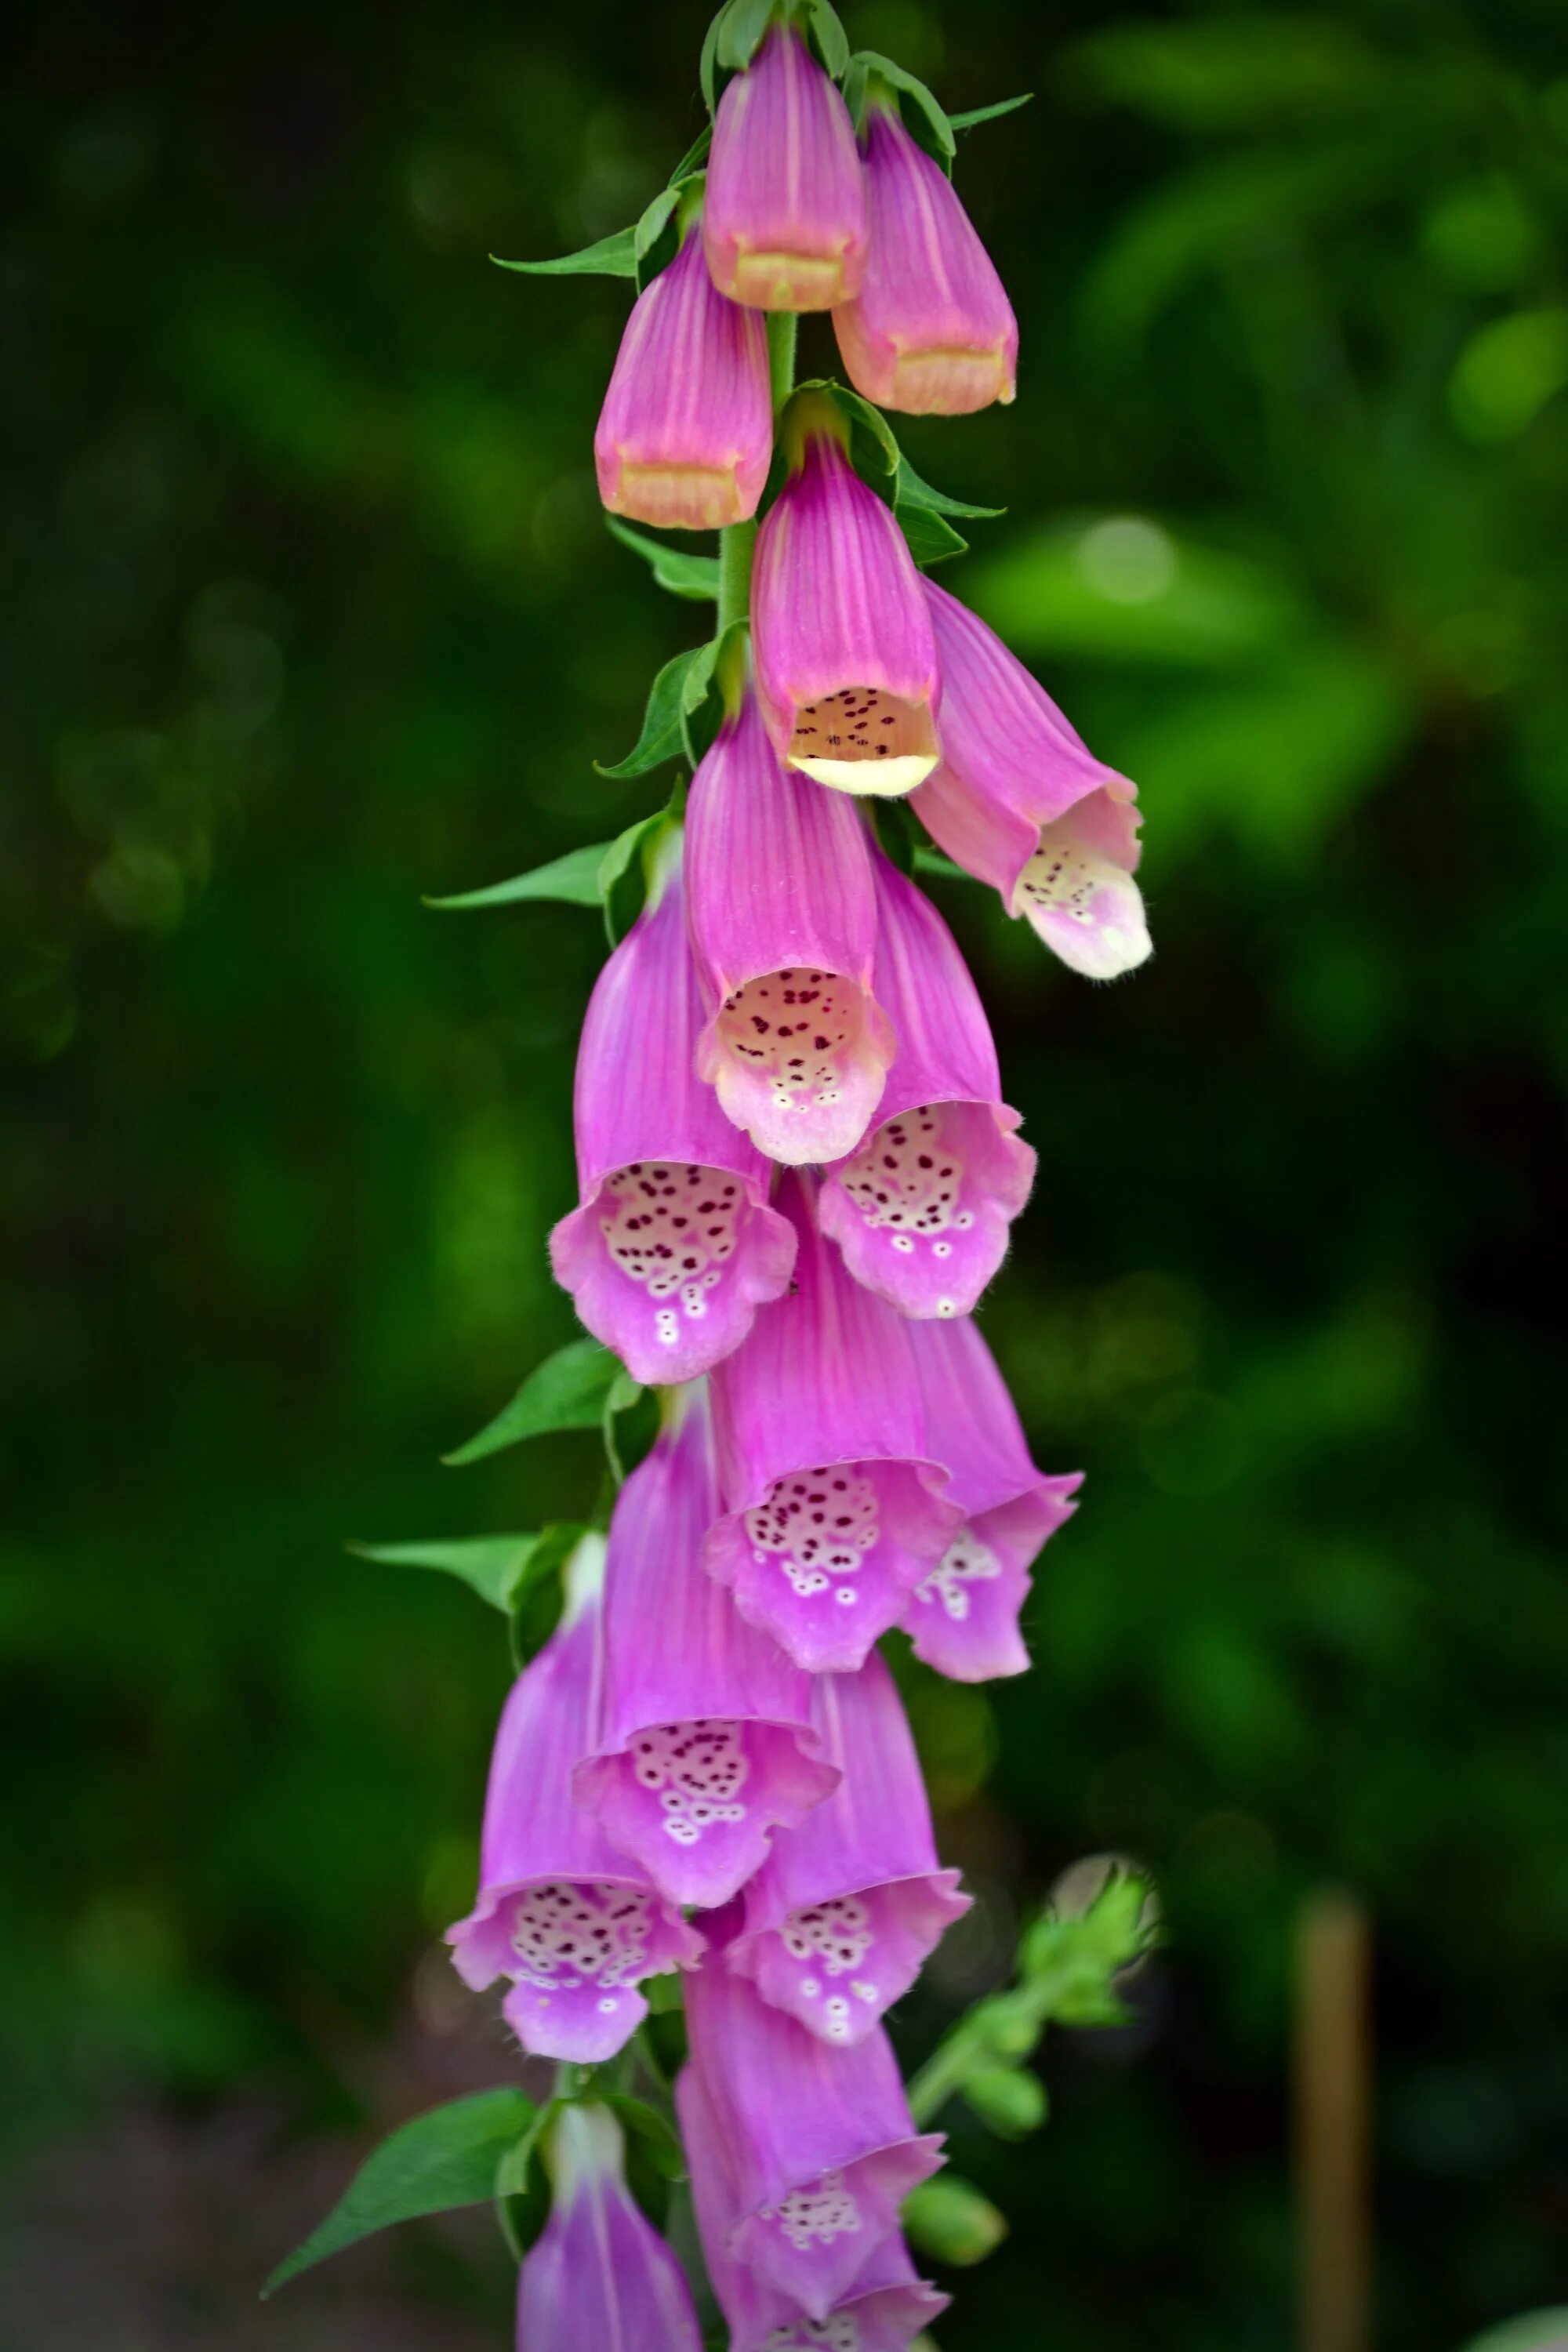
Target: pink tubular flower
pixel 783 217
pixel 818 2144
pixel 880 2311
pixel 560 1910
pixel 674 1246
pixel 841 1916
pixel 784 925
pixel 704 1739
pixel 964 1616
pixel 833 1505
pixel 1020 802
pixel 932 330
pixel 923 1209
pixel 600 2274
pixel 686 435
pixel 845 656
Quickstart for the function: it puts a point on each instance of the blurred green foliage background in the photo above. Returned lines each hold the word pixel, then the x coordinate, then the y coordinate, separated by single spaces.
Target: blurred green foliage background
pixel 309 609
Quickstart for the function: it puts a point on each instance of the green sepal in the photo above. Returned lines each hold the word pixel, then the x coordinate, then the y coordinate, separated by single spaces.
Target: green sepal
pixel 708 687
pixel 979 114
pixel 613 257
pixel 656 240
pixel 440 2161
pixel 876 456
pixel 696 576
pixel 740 27
pixel 625 867
pixel 950 2219
pixel 539 1595
pixel 520 2185
pixel 736 33
pixel 662 736
pixel 568 1390
pixel 490 1566
pixel 826 33
pixel 930 125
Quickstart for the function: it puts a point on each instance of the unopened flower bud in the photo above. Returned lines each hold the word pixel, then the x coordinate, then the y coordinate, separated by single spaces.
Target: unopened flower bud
pixel 785 218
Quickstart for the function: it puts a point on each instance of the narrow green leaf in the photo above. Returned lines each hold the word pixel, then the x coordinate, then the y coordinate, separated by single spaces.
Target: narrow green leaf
pixel 661 737
pixel 491 1565
pixel 909 490
pixel 566 1391
pixel 539 1593
pixel 572 880
pixel 696 576
pixel 435 2163
pixel 613 257
pixel 979 114
pixel 695 154
pixel 931 536
pixel 621 897
pixel 653 219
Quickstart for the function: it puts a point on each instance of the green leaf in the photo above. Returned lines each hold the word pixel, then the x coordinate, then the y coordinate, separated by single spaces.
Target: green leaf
pixel 489 1565
pixel 702 703
pixel 929 126
pixel 979 114
pixel 931 538
pixel 539 1595
pixel 662 736
pixel 657 237
pixel 623 901
pixel 909 490
pixel 433 2164
pixel 520 2185
pixel 572 880
pixel 696 576
pixel 694 158
pixel 613 257
pixel 644 2122
pixel 566 1391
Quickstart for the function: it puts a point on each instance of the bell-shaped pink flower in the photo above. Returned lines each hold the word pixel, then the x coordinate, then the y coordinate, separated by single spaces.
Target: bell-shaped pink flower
pixel 686 435
pixel 922 1211
pixel 704 1741
pixel 784 925
pixel 964 1616
pixel 833 1505
pixel 784 217
pixel 560 1910
pixel 600 2274
pixel 842 1914
pixel 880 2311
pixel 674 1246
pixel 1021 802
pixel 932 330
pixel 846 654
pixel 818 2143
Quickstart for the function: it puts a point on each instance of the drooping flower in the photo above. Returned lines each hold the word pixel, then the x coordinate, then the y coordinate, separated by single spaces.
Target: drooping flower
pixel 686 435
pixel 846 655
pixel 817 2144
pixel 840 1917
pixel 833 1505
pixel 600 2274
pixel 964 1616
pixel 922 1211
pixel 880 2311
pixel 704 1741
pixel 932 330
pixel 674 1246
pixel 560 1910
pixel 784 925
pixel 1021 802
pixel 784 220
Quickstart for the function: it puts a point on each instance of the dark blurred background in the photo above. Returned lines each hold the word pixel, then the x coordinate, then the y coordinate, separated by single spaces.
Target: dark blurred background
pixel 309 609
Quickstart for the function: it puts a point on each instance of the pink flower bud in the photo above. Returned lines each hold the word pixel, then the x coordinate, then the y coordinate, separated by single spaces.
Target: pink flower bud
pixel 846 655
pixel 833 1505
pixel 963 1617
pixel 560 1910
pixel 1022 803
pixel 674 1246
pixel 922 1211
pixel 880 2310
pixel 783 920
pixel 783 218
pixel 932 330
pixel 843 1913
pixel 704 1741
pixel 686 434
pixel 817 2143
pixel 600 2274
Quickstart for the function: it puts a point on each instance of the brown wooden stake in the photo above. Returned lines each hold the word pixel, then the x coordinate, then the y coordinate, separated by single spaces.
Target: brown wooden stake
pixel 1332 2107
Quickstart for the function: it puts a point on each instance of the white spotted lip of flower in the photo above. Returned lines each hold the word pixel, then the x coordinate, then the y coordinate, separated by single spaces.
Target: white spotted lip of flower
pixel 566 1934
pixel 792 1064
pixel 844 739
pixel 699 1771
pixel 673 1230
pixel 817 2214
pixel 1083 903
pixel 819 1524
pixel 967 1560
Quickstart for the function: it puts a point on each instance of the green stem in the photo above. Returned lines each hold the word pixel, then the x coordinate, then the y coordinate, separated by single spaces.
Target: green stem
pixel 736 542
